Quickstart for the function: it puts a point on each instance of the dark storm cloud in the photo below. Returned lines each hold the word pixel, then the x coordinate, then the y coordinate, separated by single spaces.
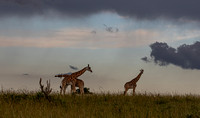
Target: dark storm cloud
pixel 146 9
pixel 185 56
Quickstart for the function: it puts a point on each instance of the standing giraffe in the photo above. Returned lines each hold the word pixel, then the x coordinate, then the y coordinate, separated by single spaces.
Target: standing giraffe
pixel 79 83
pixel 71 80
pixel 132 84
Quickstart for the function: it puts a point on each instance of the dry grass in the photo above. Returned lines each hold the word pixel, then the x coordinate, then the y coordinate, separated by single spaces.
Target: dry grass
pixel 24 104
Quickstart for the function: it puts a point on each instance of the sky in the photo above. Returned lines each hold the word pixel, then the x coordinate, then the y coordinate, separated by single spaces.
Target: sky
pixel 42 38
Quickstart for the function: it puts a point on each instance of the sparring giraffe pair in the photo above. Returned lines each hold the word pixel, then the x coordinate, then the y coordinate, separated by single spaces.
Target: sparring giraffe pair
pixel 72 80
pixel 132 84
pixel 79 83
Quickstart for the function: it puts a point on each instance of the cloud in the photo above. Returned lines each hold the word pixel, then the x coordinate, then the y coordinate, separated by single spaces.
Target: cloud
pixel 73 67
pixel 93 32
pixel 185 56
pixel 146 59
pixel 82 38
pixel 111 29
pixel 145 9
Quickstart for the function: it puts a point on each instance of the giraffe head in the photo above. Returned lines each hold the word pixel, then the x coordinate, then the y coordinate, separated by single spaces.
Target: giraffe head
pixel 141 70
pixel 88 68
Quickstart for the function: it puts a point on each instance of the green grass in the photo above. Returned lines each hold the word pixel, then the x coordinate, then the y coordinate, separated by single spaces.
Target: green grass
pixel 34 105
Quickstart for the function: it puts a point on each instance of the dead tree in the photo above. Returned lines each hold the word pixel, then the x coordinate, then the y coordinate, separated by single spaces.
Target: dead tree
pixel 46 90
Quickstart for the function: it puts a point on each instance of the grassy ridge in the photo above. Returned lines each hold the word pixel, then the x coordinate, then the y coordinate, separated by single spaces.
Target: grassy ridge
pixel 34 105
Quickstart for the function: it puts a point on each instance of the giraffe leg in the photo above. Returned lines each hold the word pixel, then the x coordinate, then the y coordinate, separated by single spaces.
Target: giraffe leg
pixel 81 90
pixel 64 89
pixel 125 91
pixel 81 87
pixel 73 88
pixel 60 90
pixel 134 86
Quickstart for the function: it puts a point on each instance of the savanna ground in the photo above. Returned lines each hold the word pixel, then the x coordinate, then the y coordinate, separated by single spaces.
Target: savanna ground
pixel 26 104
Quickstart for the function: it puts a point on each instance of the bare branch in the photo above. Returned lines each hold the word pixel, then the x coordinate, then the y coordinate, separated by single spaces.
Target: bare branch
pixel 47 90
pixel 41 86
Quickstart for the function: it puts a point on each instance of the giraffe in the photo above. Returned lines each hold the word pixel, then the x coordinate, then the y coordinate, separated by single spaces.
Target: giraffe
pixel 79 83
pixel 71 80
pixel 132 84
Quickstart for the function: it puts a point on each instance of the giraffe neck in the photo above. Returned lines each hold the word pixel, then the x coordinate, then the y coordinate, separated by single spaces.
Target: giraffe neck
pixel 79 73
pixel 138 77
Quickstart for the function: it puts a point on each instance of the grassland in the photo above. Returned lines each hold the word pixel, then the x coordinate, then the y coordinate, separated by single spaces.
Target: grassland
pixel 25 104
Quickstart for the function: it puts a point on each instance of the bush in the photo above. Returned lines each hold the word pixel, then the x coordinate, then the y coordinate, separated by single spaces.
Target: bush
pixel 86 91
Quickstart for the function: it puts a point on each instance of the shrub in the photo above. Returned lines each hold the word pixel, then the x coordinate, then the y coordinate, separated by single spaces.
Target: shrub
pixel 86 91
